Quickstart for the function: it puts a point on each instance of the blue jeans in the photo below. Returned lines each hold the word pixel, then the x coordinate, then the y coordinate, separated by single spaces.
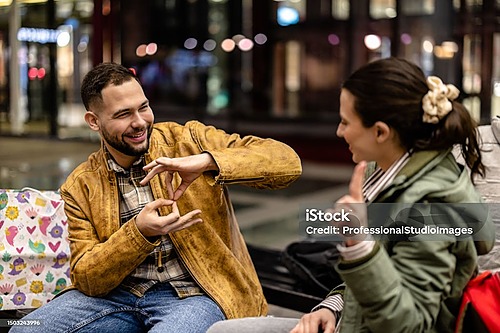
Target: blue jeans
pixel 159 310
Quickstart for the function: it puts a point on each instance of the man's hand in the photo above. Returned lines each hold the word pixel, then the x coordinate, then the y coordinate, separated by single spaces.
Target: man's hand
pixel 323 319
pixel 150 223
pixel 354 202
pixel 189 168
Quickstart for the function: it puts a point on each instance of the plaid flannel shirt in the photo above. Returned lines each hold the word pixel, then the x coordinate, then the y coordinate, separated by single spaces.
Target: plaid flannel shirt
pixel 163 264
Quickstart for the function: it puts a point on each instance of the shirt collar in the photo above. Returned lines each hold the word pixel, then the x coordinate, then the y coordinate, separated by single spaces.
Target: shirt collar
pixel 379 180
pixel 118 168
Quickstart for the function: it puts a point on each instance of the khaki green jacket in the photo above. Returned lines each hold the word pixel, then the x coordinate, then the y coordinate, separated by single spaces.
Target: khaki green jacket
pixel 103 253
pixel 415 286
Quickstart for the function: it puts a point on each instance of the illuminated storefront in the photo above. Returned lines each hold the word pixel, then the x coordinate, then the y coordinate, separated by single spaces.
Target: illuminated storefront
pixel 49 41
pixel 286 59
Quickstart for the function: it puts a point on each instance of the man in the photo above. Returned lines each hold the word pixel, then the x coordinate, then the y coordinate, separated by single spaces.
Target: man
pixel 143 256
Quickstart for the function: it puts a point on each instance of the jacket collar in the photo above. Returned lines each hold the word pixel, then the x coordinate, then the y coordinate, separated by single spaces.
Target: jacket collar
pixel 421 161
pixel 419 164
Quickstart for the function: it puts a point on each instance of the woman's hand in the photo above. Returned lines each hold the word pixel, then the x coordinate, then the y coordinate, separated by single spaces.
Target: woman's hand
pixel 354 202
pixel 323 319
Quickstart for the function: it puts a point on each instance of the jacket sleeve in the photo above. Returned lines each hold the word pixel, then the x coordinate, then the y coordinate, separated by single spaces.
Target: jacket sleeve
pixel 249 160
pixel 404 292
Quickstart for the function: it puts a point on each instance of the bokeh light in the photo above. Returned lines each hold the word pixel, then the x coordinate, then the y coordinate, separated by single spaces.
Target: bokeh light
pixel 228 45
pixel 190 43
pixel 209 45
pixel 151 48
pixel 140 51
pixel 260 39
pixel 406 39
pixel 372 42
pixel 333 39
pixel 245 44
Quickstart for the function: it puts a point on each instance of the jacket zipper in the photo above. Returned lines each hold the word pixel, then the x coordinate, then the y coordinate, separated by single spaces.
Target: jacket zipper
pixel 236 181
pixel 179 253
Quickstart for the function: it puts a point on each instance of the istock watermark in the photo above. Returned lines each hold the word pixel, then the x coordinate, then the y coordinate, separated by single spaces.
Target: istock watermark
pixel 321 222
pixel 330 215
pixel 396 222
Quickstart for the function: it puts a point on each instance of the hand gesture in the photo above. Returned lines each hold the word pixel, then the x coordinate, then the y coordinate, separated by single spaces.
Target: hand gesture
pixel 323 319
pixel 189 169
pixel 150 223
pixel 354 202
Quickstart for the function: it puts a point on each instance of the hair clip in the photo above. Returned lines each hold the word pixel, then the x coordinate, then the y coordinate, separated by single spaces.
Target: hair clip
pixel 437 102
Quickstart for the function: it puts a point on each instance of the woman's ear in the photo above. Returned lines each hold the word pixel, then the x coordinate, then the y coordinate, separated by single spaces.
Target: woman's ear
pixel 383 132
pixel 92 120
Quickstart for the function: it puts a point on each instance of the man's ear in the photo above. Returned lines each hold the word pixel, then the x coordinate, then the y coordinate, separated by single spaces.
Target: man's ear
pixel 92 120
pixel 383 132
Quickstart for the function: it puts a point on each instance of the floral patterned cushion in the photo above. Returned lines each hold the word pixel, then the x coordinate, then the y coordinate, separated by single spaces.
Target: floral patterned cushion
pixel 34 248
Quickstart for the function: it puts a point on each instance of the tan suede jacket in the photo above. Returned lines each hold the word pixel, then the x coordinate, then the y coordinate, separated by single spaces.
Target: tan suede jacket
pixel 214 252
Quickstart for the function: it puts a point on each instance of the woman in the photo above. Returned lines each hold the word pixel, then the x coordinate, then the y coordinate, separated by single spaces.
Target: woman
pixel 405 125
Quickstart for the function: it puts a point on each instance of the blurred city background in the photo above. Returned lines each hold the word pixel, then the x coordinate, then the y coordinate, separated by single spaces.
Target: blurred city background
pixel 267 67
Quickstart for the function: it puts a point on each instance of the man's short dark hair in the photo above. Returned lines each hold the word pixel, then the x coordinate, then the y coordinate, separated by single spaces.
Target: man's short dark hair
pixel 100 77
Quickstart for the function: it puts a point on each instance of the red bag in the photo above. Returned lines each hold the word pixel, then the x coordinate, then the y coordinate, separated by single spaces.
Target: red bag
pixel 480 308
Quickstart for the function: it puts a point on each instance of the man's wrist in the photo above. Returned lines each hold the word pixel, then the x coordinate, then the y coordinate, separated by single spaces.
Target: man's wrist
pixel 210 164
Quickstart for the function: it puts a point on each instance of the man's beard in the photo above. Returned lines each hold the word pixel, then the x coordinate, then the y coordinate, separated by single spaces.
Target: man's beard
pixel 120 145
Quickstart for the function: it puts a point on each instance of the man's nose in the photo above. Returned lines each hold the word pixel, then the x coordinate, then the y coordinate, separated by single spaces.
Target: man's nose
pixel 138 120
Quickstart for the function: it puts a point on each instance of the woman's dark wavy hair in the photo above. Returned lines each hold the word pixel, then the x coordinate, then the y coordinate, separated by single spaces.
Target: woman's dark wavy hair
pixel 391 90
pixel 100 77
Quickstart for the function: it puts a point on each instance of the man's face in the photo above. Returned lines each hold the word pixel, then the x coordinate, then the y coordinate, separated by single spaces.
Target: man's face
pixel 124 121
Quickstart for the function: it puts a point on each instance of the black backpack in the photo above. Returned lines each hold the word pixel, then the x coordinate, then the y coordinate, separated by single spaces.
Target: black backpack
pixel 312 264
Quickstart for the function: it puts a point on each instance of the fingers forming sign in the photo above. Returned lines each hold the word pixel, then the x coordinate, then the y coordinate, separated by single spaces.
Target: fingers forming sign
pixel 189 169
pixel 150 223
